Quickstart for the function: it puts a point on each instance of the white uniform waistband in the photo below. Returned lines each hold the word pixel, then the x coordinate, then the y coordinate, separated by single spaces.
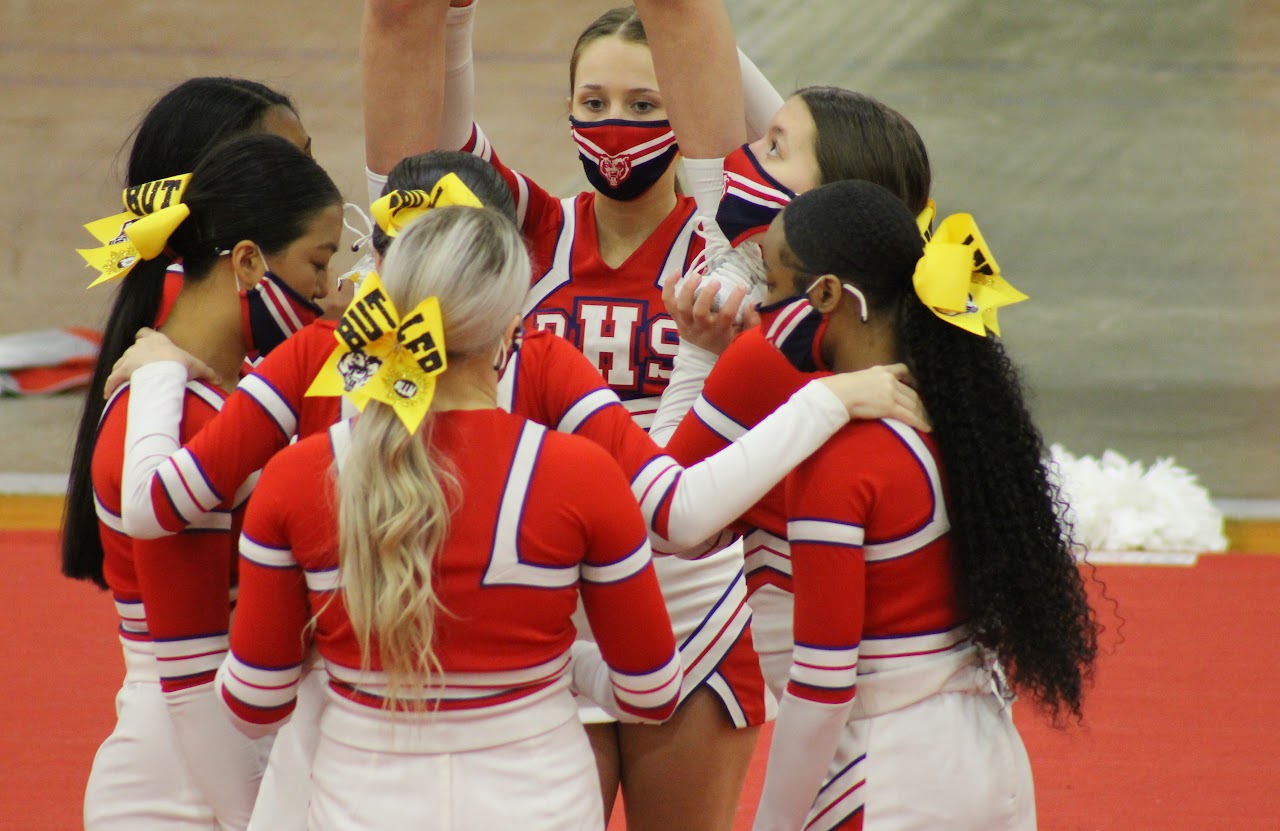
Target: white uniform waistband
pixel 967 670
pixel 447 731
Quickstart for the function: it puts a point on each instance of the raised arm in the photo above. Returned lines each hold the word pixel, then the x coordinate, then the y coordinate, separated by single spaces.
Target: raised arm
pixel 401 78
pixel 696 61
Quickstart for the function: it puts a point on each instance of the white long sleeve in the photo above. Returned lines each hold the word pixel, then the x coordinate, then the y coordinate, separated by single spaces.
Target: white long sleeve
pixel 156 394
pixel 592 681
pixel 760 98
pixel 805 738
pixel 459 78
pixel 716 491
pixel 705 180
pixel 705 177
pixel 689 372
pixel 225 765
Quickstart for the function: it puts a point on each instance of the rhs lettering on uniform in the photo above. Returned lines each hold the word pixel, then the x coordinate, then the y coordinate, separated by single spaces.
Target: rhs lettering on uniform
pixel 664 340
pixel 609 338
pixel 555 322
pixel 632 351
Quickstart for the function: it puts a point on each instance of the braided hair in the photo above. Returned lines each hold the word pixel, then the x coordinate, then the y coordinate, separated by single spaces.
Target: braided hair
pixel 1017 575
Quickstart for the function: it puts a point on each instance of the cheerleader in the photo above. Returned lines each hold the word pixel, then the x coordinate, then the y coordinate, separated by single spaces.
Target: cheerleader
pixel 546 380
pixel 599 261
pixel 925 567
pixel 256 218
pixel 820 134
pixel 435 554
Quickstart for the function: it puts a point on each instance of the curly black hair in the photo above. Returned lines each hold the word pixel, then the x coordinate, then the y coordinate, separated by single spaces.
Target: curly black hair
pixel 1018 576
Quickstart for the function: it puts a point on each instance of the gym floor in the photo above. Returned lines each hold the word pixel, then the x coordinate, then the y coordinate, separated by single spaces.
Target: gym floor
pixel 1119 157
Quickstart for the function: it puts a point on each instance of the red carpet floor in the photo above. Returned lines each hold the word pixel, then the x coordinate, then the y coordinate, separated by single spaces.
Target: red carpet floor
pixel 1181 730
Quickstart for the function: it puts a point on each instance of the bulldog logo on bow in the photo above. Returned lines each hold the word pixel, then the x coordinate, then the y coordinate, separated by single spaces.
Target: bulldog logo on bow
pixel 615 169
pixel 356 368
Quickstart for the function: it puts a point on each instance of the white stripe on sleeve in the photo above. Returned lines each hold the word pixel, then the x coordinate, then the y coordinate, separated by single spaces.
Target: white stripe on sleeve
pixel 824 531
pixel 648 691
pixel 619 570
pixel 265 555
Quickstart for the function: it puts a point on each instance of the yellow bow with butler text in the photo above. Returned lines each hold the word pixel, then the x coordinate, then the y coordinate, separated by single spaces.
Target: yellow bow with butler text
pixel 958 279
pixel 385 357
pixel 153 211
pixel 400 208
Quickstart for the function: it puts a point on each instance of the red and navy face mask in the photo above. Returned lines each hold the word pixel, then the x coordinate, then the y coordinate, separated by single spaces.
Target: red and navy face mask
pixel 623 159
pixel 795 327
pixel 272 311
pixel 751 197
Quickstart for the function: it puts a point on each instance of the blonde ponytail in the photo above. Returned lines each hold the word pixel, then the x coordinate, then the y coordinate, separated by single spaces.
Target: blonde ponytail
pixel 393 518
pixel 396 491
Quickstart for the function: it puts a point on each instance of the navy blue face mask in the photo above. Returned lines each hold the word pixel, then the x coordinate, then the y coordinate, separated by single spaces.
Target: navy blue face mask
pixel 751 197
pixel 271 311
pixel 796 328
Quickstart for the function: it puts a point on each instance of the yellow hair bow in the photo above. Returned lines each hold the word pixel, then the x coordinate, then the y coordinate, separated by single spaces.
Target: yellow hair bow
pixel 153 211
pixel 400 208
pixel 385 357
pixel 924 219
pixel 958 279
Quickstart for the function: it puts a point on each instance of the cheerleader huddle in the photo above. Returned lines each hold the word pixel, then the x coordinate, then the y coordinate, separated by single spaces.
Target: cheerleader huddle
pixel 573 494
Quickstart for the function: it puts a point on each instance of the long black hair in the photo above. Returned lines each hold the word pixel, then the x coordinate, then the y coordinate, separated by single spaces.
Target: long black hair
pixel 183 124
pixel 1017 572
pixel 423 171
pixel 255 187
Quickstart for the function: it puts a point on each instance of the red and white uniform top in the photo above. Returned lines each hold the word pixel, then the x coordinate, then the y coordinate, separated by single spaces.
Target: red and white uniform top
pixel 750 380
pixel 548 381
pixel 877 611
pixel 173 595
pixel 542 517
pixel 614 316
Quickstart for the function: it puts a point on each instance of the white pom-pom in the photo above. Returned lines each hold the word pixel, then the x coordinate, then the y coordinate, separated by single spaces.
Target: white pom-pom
pixel 1114 504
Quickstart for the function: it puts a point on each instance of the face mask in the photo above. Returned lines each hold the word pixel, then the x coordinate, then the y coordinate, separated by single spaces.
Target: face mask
pixel 751 197
pixel 623 159
pixel 272 311
pixel 796 328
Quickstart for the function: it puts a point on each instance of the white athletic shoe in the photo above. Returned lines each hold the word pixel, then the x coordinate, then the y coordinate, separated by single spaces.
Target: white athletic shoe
pixel 741 267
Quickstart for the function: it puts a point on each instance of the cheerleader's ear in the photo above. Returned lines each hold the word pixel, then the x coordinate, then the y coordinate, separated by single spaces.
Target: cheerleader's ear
pixel 248 263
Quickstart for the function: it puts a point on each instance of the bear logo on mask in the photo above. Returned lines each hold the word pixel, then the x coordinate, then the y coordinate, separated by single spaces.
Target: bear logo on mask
pixel 615 169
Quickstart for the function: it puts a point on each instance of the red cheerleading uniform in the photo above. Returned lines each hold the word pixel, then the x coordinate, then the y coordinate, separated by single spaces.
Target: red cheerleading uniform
pixel 876 614
pixel 614 316
pixel 617 319
pixel 172 594
pixel 170 761
pixel 542 517
pixel 547 381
